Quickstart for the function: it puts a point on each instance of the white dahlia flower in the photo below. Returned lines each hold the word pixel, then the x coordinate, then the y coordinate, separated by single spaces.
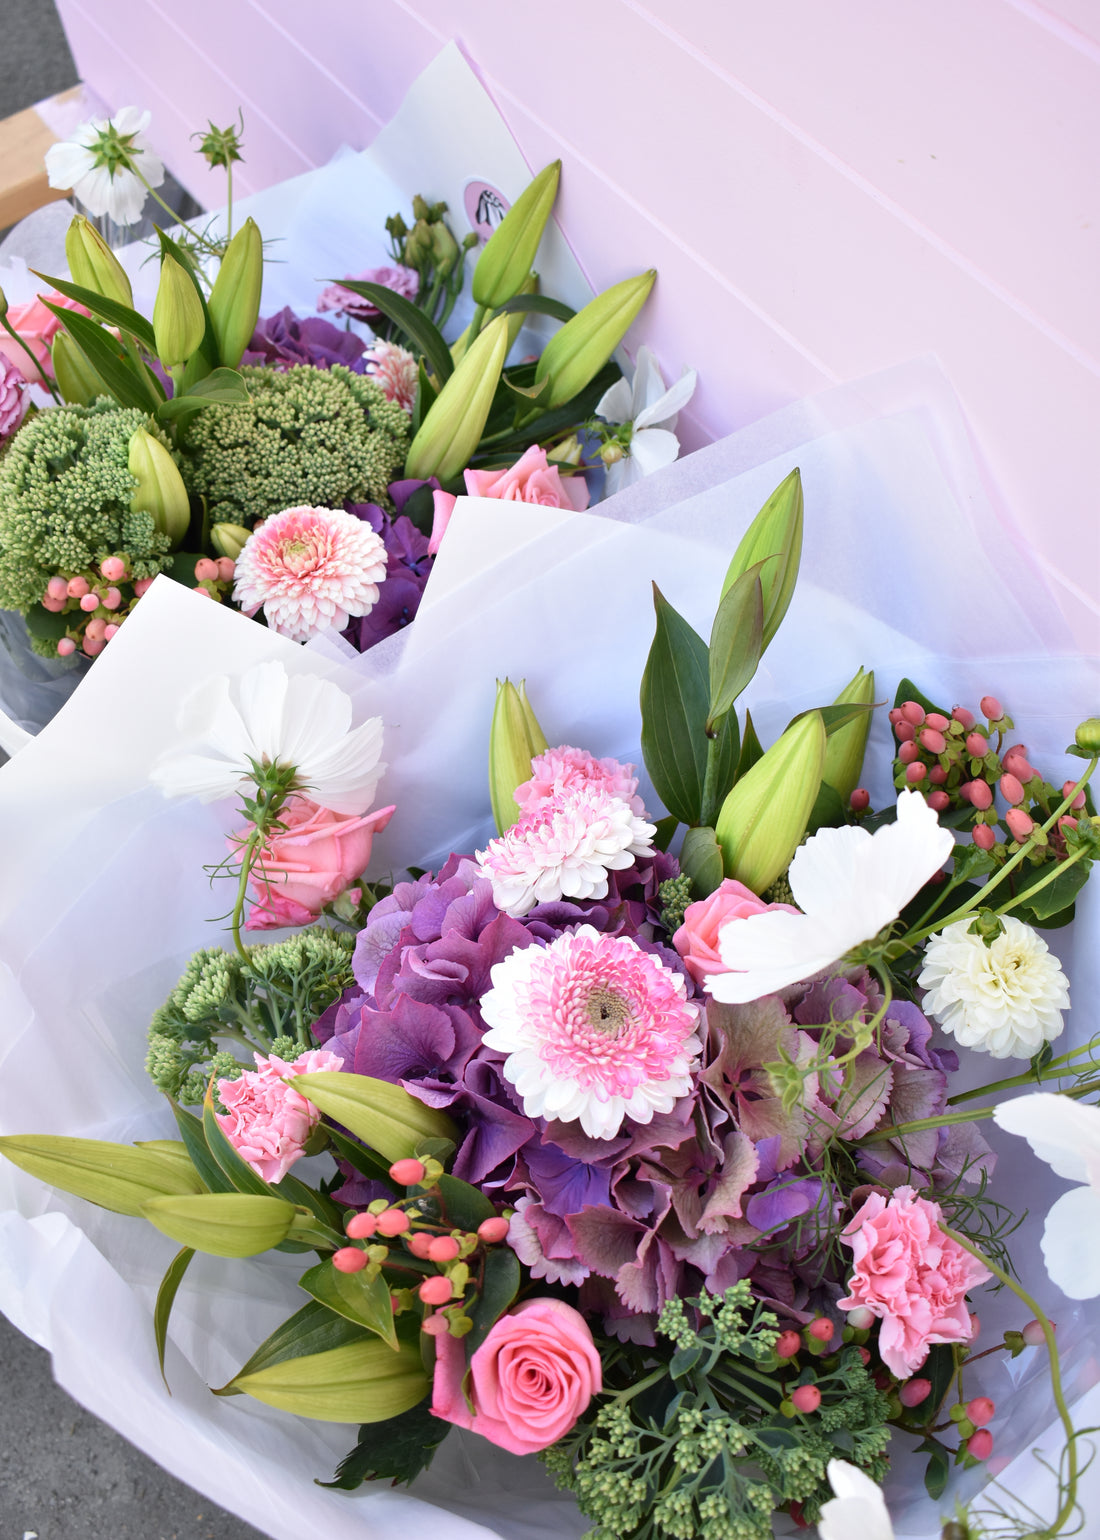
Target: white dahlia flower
pixel 1005 999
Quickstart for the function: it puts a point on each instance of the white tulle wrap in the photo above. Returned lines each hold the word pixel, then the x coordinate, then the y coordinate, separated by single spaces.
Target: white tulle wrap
pixel 908 568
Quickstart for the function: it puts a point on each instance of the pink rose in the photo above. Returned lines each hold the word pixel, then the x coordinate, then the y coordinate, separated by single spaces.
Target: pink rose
pixel 37 326
pixel 402 280
pixel 443 505
pixel 319 855
pixel 697 939
pixel 13 398
pixel 530 480
pixel 530 1379
pixel 266 1121
pixel 910 1275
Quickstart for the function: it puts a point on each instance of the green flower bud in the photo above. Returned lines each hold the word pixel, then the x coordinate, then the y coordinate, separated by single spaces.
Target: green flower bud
pixel 764 817
pixel 514 739
pixel 453 427
pixel 77 381
pixel 776 532
pixel 3 304
pixel 846 746
pixel 509 253
pixel 384 1116
pixel 160 489
pixel 118 1177
pixel 1087 736
pixel 93 264
pixel 418 246
pixel 234 304
pixel 363 1381
pixel 224 1224
pixel 578 352
pixel 178 320
pixel 229 539
pixel 444 247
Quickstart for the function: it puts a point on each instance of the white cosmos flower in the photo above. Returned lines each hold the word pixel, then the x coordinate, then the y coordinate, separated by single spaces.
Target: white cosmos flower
pixel 1005 999
pixel 849 884
pixel 291 719
pixel 652 409
pixel 858 1511
pixel 1066 1134
pixel 100 163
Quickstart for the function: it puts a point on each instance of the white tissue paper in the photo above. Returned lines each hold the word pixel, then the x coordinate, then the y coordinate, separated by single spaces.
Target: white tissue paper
pixel 906 569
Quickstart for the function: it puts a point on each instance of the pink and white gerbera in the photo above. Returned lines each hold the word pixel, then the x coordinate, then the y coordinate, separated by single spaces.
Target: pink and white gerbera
pixel 596 1030
pixel 565 768
pixel 312 569
pixel 266 1121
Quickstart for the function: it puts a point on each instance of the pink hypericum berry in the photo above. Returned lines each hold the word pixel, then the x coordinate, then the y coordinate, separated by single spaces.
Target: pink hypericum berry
pixel 991 708
pixel 962 716
pixel 66 647
pixel 113 568
pixel 57 588
pixel 1010 789
pixel 1067 823
pixel 908 753
pixel 984 837
pixel 980 1411
pixel 1079 800
pixel 349 1259
pixel 978 793
pixel 110 631
pixel 89 603
pixel 203 593
pixel 915 774
pixel 860 800
pixel 435 1291
pixel 205 569
pixel 977 744
pixel 821 1328
pixel 937 720
pixel 865 1357
pixel 55 606
pixel 937 775
pixel 788 1344
pixel 912 712
pixel 932 740
pixel 95 629
pixel 435 1326
pixel 938 801
pixel 77 587
pixel 419 1243
pixel 1033 1334
pixel 93 646
pixel 408 1173
pixel 895 716
pixel 905 732
pixel 806 1398
pixel 112 599
pixel 1019 822
pixel 143 585
pixel 226 567
pixel 361 1226
pixel 393 1221
pixel 492 1231
pixel 861 1319
pixel 913 1392
pixel 980 1445
pixel 443 1248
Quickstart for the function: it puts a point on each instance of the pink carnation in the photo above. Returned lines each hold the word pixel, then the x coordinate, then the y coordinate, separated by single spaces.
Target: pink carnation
pixel 697 939
pixel 13 398
pixel 267 1122
pixel 395 371
pixel 565 768
pixel 402 280
pixel 312 569
pixel 910 1275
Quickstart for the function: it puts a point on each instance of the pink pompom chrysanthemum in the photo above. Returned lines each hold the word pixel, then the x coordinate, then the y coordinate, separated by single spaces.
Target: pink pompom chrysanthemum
pixel 595 1030
pixel 266 1121
pixel 312 569
pixel 565 768
pixel 564 848
pixel 394 370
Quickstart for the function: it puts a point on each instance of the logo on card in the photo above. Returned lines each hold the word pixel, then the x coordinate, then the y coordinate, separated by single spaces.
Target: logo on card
pixel 485 207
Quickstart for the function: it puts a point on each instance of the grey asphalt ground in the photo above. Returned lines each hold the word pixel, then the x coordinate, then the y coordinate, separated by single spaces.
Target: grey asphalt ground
pixel 63 1474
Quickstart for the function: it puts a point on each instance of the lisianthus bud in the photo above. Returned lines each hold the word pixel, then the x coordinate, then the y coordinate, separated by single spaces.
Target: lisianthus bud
pixel 77 381
pixel 569 452
pixel 453 426
pixel 845 747
pixel 160 489
pixel 577 353
pixel 93 264
pixel 775 538
pixel 178 319
pixel 515 737
pixel 509 253
pixel 1087 736
pixel 764 817
pixel 234 303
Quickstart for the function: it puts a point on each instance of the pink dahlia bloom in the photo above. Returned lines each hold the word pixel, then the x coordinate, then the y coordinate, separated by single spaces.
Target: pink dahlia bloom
pixel 697 939
pixel 394 370
pixel 312 569
pixel 13 398
pixel 565 768
pixel 595 1030
pixel 911 1276
pixel 564 848
pixel 402 280
pixel 267 1122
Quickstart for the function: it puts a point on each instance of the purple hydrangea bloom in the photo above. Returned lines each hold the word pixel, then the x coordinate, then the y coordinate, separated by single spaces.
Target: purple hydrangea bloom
pixel 282 340
pixel 407 570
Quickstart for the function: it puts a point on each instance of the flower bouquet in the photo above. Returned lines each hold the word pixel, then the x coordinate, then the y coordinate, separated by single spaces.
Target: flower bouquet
pixel 705 1101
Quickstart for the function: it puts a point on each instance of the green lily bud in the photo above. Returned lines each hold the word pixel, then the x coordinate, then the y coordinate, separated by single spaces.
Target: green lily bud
pixel 229 539
pixel 93 264
pixel 234 303
pixel 77 381
pixel 178 320
pixel 776 532
pixel 509 253
pixel 460 344
pixel 453 427
pixel 362 1381
pixel 225 1224
pixel 118 1177
pixel 845 748
pixel 384 1116
pixel 764 817
pixel 514 739
pixel 160 489
pixel 578 352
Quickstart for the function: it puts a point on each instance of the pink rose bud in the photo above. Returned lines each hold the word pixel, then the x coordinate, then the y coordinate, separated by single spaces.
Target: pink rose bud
pixel 913 1392
pixel 113 568
pixel 93 646
pixel 980 1445
pixel 77 587
pixel 788 1344
pixel 110 631
pixel 205 569
pixel 912 712
pixel 905 732
pixel 984 837
pixel 978 793
pixel 55 606
pixel 861 1319
pixel 895 716
pixel 408 1173
pixel 361 1226
pixel 1010 788
pixel 435 1291
pixel 112 599
pixel 435 1326
pixel 444 1248
pixel 963 717
pixel 977 744
pixel 915 773
pixel 89 603
pixel 937 775
pixel 860 800
pixel 1033 1334
pixel 393 1221
pixel 806 1398
pixel 492 1231
pixel 142 585
pixel 1019 822
pixel 349 1259
pixel 933 740
pixel 419 1243
pixel 991 708
pixel 980 1410
pixel 226 568
pixel 57 588
pixel 938 801
pixel 1079 800
pixel 66 647
pixel 937 720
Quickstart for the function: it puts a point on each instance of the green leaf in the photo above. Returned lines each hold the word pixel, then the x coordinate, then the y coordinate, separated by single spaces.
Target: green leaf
pixel 675 695
pixel 907 690
pixel 108 310
pixel 835 716
pixel 499 1288
pixel 1054 898
pixel 106 356
pixel 426 394
pixel 366 1162
pixel 313 1329
pixel 464 1205
pixel 303 1196
pixel 530 395
pixel 736 642
pixel 827 811
pixel 365 1301
pixel 937 1470
pixel 166 1295
pixel 412 321
pixel 191 1132
pixel 751 748
pixel 666 830
pixel 396 1450
pixel 684 1360
pixel 222 387
pixel 541 304
pixel 505 444
pixel 701 860
pixel 46 624
pixel 239 1172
